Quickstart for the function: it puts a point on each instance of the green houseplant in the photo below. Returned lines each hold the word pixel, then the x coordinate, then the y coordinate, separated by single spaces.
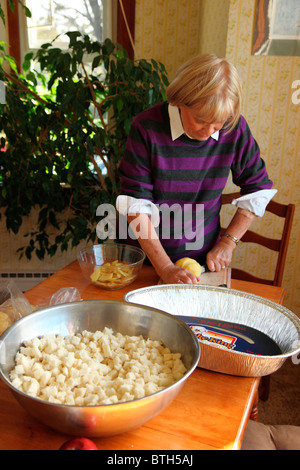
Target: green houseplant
pixel 64 126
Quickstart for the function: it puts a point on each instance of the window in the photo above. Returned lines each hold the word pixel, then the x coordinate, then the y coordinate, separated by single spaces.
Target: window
pixel 114 25
pixel 52 18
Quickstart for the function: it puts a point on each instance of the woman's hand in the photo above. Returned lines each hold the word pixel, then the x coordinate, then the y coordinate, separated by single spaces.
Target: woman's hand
pixel 148 239
pixel 219 257
pixel 221 254
pixel 172 274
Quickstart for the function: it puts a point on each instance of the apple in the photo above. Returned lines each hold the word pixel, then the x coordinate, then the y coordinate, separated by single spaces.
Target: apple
pixel 79 443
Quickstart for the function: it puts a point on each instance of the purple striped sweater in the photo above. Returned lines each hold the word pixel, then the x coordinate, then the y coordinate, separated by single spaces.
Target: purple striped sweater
pixel 189 175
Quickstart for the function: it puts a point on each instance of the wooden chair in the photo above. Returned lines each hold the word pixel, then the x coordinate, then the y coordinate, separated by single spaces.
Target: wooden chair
pixel 279 245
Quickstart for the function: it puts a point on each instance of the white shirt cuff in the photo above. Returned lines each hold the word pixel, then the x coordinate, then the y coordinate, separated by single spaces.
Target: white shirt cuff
pixel 128 205
pixel 255 202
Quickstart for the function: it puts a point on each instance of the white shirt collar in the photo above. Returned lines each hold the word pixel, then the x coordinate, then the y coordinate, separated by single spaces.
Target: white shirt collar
pixel 176 125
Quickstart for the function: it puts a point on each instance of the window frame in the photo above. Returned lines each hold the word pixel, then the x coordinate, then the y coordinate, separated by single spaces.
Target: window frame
pixel 17 34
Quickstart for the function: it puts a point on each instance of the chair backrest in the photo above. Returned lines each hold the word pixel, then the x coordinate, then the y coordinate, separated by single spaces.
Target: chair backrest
pixel 279 245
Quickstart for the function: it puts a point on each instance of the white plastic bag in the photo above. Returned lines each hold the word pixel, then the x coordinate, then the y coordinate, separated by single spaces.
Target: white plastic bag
pixel 14 305
pixel 62 296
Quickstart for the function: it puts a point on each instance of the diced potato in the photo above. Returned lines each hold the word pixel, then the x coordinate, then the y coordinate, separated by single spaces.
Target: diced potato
pixel 104 368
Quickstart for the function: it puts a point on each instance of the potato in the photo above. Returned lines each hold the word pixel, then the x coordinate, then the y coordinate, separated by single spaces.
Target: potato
pixel 104 367
pixel 96 273
pixel 5 322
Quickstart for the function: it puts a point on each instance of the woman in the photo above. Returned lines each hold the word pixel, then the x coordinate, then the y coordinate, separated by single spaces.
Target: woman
pixel 179 155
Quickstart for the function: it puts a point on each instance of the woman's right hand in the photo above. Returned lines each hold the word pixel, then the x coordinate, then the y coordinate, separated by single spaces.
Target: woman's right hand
pixel 172 274
pixel 150 243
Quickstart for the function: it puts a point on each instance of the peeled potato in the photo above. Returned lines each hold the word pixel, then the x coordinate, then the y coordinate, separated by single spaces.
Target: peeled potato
pixel 183 262
pixel 190 264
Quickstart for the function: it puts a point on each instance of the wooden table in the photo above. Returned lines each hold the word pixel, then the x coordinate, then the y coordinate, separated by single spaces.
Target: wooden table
pixel 210 412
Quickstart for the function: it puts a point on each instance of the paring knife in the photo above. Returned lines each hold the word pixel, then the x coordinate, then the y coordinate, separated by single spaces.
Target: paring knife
pixel 204 269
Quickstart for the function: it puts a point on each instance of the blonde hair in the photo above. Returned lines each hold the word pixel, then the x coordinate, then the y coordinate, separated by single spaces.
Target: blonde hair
pixel 210 85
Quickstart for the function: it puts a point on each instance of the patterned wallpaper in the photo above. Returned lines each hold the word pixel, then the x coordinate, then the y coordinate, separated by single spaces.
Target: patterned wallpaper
pixel 167 30
pixel 173 31
pixel 275 123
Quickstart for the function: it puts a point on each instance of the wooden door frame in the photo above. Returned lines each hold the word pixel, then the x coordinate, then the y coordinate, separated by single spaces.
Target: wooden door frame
pixel 122 34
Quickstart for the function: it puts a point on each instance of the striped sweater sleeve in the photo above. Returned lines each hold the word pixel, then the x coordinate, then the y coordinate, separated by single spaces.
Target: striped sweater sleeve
pixel 135 166
pixel 248 168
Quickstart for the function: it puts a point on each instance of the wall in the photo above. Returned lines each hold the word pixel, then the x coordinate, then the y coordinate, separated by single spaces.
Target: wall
pixel 213 26
pixel 165 31
pixel 2 27
pixel 174 30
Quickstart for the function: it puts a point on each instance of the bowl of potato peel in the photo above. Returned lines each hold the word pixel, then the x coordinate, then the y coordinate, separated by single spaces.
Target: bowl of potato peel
pixel 111 265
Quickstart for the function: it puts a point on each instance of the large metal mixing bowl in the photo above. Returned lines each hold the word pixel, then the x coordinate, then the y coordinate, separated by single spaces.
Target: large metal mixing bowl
pixel 93 315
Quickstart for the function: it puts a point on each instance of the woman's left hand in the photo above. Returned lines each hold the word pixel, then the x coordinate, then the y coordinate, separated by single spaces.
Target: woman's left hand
pixel 219 257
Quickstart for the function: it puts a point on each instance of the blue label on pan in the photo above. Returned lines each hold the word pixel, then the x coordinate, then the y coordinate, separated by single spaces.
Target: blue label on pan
pixel 232 336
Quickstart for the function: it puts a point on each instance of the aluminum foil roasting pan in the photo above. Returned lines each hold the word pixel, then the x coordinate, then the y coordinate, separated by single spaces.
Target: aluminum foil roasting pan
pixel 270 318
